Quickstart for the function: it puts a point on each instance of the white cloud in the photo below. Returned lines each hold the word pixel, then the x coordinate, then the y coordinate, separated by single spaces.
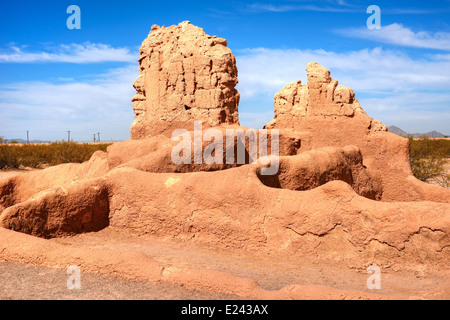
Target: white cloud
pixel 48 110
pixel 70 53
pixel 409 11
pixel 255 120
pixel 263 7
pixel 413 112
pixel 397 34
pixel 413 93
pixel 365 70
pixel 391 86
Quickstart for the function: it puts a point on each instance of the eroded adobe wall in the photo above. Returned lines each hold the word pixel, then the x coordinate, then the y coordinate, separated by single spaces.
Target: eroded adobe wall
pixel 185 75
pixel 323 113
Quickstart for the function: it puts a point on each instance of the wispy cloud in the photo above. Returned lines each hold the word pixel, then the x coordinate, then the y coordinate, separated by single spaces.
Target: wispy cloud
pixel 391 86
pixel 413 112
pixel 69 53
pixel 48 109
pixel 331 6
pixel 399 35
pixel 255 120
pixel 317 6
pixel 375 70
pixel 409 11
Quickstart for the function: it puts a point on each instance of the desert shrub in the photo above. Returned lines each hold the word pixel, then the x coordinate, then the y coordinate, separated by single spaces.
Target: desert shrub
pixel 42 155
pixel 8 156
pixel 428 159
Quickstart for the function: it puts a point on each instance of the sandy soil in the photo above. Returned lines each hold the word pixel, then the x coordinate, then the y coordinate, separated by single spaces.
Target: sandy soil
pixel 37 277
pixel 29 282
pixel 40 273
pixel 5 174
pixel 447 168
pixel 270 274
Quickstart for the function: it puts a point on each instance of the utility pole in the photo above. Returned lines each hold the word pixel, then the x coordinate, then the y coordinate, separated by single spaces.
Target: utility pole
pixel 98 133
pixel 68 136
pixel 28 137
pixel 94 137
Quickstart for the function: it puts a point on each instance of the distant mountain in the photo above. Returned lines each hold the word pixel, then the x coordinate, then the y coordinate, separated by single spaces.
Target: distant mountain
pixel 400 132
pixel 431 134
pixel 25 141
pixel 397 131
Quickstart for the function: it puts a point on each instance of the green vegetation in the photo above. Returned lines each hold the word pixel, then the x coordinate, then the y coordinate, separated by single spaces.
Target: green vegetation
pixel 428 158
pixel 13 156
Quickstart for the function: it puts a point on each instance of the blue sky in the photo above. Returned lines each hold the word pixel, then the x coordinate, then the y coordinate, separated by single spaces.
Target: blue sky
pixel 53 79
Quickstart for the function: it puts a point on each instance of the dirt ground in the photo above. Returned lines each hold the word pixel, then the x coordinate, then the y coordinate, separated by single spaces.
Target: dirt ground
pixel 28 274
pixel 5 174
pixel 270 274
pixel 31 279
pixel 447 166
pixel 29 282
pixel 440 182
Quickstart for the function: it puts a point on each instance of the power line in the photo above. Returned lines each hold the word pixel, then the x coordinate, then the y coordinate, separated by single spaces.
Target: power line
pixel 53 135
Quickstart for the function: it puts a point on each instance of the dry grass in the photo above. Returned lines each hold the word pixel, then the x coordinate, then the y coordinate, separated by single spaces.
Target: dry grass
pixel 14 156
pixel 428 158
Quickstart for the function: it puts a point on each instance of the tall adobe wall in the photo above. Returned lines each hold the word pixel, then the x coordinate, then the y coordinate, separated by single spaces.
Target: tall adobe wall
pixel 334 162
pixel 323 113
pixel 185 75
pixel 322 98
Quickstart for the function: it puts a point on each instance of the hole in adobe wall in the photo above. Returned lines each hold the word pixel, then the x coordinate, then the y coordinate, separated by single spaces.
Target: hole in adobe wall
pixel 187 108
pixel 7 194
pixel 223 116
pixel 308 178
pixel 272 181
pixel 61 215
